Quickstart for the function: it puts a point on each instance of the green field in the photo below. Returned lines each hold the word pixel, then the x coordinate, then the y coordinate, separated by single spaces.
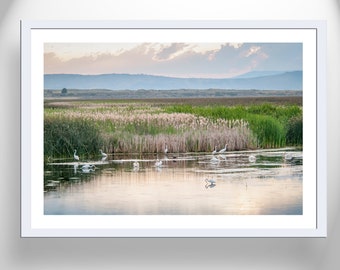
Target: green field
pixel 185 125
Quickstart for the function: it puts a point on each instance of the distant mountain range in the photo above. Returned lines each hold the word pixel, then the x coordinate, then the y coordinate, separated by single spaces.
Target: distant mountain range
pixel 291 80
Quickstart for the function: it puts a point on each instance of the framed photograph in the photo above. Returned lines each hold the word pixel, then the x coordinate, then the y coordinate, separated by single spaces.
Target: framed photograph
pixel 173 129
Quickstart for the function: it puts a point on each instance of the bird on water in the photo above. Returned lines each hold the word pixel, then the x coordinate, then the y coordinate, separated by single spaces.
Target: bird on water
pixel 158 163
pixel 136 164
pixel 223 149
pixel 210 181
pixel 75 155
pixel 102 153
pixel 252 158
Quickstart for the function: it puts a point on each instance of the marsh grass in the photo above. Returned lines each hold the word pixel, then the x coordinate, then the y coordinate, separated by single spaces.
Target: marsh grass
pixel 145 127
pixel 267 122
pixel 63 135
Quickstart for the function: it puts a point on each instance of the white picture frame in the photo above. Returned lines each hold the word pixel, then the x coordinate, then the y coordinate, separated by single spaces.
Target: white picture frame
pixel 313 221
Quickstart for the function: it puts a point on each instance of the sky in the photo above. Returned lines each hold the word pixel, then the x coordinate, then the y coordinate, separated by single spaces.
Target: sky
pixel 193 60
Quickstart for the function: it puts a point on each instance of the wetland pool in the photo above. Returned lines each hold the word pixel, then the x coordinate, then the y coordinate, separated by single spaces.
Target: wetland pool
pixel 262 182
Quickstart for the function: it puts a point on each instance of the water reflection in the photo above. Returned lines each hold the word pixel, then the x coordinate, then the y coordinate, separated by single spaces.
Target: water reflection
pixel 190 184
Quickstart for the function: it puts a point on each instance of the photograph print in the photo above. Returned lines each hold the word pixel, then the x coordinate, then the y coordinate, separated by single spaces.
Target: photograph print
pixel 190 129
pixel 180 128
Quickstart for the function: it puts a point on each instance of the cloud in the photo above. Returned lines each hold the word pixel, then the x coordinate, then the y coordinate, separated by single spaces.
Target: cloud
pixel 171 51
pixel 182 59
pixel 252 50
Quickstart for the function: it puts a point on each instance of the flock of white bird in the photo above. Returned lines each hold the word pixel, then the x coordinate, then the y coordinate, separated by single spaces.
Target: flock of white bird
pixel 210 182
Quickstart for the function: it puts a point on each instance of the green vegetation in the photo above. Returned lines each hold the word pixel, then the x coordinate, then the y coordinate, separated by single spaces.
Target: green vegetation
pixel 62 136
pixel 64 92
pixel 273 126
pixel 146 126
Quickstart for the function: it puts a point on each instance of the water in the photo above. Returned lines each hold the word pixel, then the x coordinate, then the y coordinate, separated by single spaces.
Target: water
pixel 270 185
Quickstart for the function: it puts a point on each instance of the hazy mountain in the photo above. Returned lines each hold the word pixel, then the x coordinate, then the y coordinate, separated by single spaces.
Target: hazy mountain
pixel 282 81
pixel 254 74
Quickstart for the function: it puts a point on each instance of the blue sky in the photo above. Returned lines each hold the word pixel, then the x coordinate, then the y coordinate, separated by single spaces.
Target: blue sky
pixel 199 60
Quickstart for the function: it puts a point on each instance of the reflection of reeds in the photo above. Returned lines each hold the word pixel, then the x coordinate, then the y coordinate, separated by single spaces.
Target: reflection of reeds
pixel 145 128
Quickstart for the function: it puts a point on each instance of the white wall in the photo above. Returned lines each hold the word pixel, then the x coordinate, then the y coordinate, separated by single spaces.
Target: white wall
pixel 291 254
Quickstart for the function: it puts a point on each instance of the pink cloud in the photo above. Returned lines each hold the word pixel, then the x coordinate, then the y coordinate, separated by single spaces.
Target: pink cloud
pixel 181 59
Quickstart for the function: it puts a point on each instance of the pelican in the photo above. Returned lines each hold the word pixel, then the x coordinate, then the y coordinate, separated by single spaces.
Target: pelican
pixel 215 150
pixel 166 149
pixel 102 153
pixel 158 163
pixel 252 158
pixel 223 149
pixel 75 155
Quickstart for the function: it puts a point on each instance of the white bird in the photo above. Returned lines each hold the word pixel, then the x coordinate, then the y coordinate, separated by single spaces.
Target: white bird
pixel 75 155
pixel 102 153
pixel 87 170
pixel 223 149
pixel 252 158
pixel 210 181
pixel 288 156
pixel 87 167
pixel 215 150
pixel 136 165
pixel 158 163
pixel 166 149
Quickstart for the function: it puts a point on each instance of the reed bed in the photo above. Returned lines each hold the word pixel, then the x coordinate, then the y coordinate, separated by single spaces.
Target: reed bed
pixel 273 126
pixel 145 127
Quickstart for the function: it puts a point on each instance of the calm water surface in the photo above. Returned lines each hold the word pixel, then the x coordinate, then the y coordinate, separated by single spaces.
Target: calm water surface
pixel 270 185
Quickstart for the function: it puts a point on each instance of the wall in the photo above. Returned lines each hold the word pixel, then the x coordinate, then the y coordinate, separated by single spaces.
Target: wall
pixel 254 253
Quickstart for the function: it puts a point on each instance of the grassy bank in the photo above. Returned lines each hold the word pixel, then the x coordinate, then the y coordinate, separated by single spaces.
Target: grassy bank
pixel 145 127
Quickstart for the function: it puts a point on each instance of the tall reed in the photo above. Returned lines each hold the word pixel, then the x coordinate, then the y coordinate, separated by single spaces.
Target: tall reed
pixel 63 135
pixel 267 122
pixel 146 128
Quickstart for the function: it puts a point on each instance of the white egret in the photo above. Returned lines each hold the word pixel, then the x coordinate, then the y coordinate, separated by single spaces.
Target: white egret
pixel 75 155
pixel 166 149
pixel 102 153
pixel 158 163
pixel 223 149
pixel 215 150
pixel 252 158
pixel 136 165
pixel 87 166
pixel 288 156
